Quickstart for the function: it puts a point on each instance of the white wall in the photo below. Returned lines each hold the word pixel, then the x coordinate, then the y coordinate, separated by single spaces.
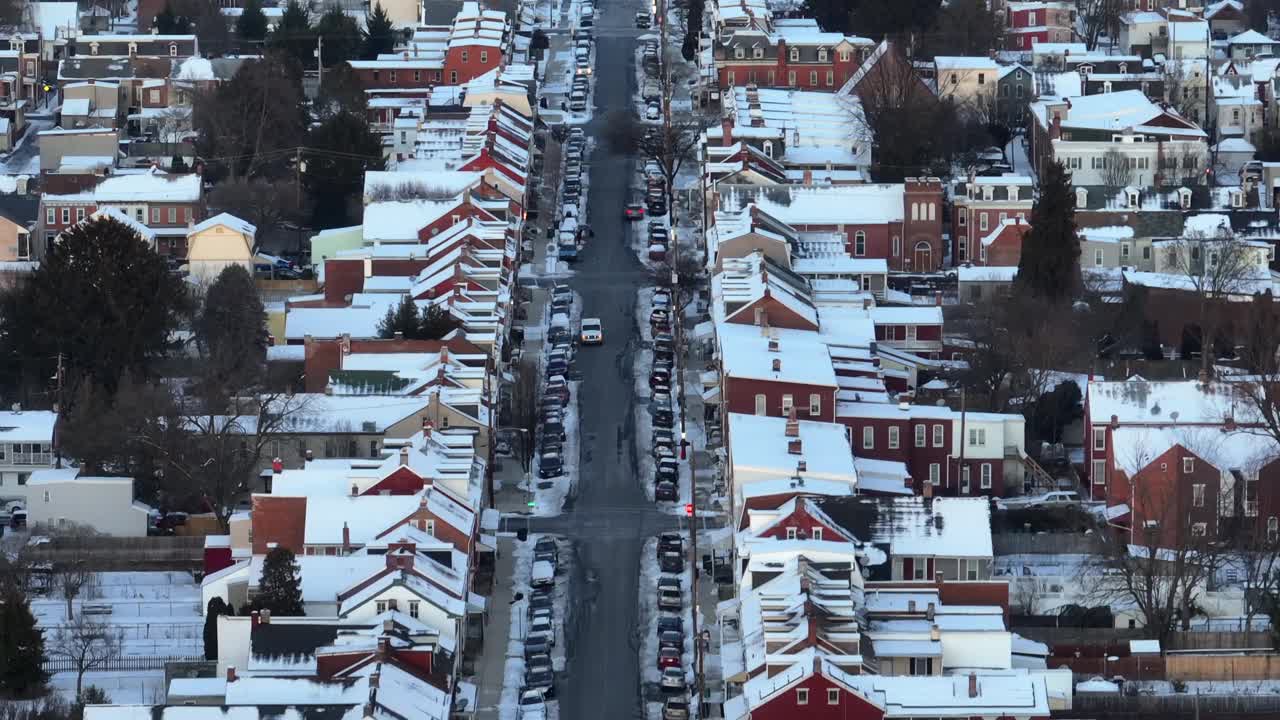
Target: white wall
pixel 105 504
pixel 428 613
pixel 979 649
pixel 233 643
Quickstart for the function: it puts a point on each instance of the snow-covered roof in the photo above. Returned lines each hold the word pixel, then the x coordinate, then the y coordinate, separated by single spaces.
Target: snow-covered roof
pixel 196 68
pixel 941 527
pixel 986 273
pixel 116 214
pixel 1250 37
pixel 961 62
pixel 802 356
pixel 1114 111
pixel 30 426
pixel 151 186
pixel 227 219
pixel 825 205
pixel 1188 31
pixel 1135 447
pixel 366 516
pixel 1165 402
pixel 400 221
pixel 948 695
pixel 760 443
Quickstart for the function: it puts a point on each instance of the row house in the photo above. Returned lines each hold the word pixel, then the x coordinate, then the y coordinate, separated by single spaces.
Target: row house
pixel 947 452
pixel 1156 144
pixel 21 72
pixel 787 53
pixel 981 205
pixel 329 361
pixel 129 46
pixel 901 223
pixel 474 44
pixel 764 451
pixel 1226 18
pixel 167 204
pixel 1027 23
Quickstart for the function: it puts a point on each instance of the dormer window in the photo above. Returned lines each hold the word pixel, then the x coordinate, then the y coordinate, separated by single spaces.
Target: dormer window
pixel 738 53
pixel 1184 198
pixel 1124 67
pixel 1013 192
pixel 822 54
pixel 795 54
pixel 15 44
pixel 988 193
pixel 844 56
pixel 757 52
pixel 133 49
pixel 173 49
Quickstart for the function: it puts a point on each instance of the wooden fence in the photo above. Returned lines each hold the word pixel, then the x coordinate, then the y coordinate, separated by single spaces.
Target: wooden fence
pixel 142 662
pixel 1118 638
pixel 124 553
pixel 1204 706
pixel 1222 667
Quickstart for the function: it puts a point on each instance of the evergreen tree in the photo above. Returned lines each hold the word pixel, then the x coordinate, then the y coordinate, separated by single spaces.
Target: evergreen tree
pixel 280 589
pixel 403 319
pixel 21 646
pixel 252 23
pixel 169 22
pixel 437 322
pixel 335 179
pixel 217 606
pixel 379 35
pixel 102 299
pixel 294 34
pixel 1050 265
pixel 341 36
pixel 231 329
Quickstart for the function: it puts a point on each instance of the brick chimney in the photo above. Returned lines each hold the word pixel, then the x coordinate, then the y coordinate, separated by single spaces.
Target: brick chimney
pixel 808 176
pixel 346 538
pixel 777 365
pixel 254 619
pixel 404 455
pixel 927 489
pixel 793 425
pixel 973 685
pixel 374 677
pixel 427 427
pixel 264 617
pixel 795 447
pixel 231 673
pixel 384 647
pixel 726 126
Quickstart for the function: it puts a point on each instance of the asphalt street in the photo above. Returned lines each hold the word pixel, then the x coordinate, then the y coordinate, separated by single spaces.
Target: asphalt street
pixel 610 517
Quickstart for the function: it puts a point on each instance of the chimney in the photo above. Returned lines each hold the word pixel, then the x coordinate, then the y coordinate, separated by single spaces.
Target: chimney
pixel 346 538
pixel 937 576
pixel 935 634
pixel 777 365
pixel 388 625
pixel 808 176
pixel 1230 424
pixel 793 425
pixel 911 606
pixel 801 466
pixel 404 455
pixel 254 619
pixel 1115 422
pixel 374 677
pixel 427 427
pixel 231 673
pixel 726 126
pixel 264 616
pixel 973 685
pixel 908 483
pixel 929 611
pixel 927 489
pixel 1055 128
pixel 937 298
pixel 794 447
pixel 773 345
pixel 384 647
pixel 355 491
pixel 866 303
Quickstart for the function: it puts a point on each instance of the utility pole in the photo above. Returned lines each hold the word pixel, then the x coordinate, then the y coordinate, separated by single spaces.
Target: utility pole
pixel 320 60
pixel 57 411
pixel 297 179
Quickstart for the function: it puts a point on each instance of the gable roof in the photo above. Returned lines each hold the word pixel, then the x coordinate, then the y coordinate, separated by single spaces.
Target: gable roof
pixel 229 221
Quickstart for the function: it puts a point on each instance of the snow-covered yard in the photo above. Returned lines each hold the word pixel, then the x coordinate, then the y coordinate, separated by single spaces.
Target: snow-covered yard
pixel 156 613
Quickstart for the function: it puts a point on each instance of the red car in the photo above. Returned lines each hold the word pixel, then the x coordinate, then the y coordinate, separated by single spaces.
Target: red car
pixel 668 657
pixel 633 211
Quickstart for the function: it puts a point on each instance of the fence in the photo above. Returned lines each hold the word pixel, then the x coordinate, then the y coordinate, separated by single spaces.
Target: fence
pixel 123 553
pixel 1165 705
pixel 141 662
pixel 1222 667
pixel 1133 667
pixel 1096 638
pixel 1044 544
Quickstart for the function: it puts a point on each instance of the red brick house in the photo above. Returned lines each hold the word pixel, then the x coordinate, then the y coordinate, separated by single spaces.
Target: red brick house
pixel 476 43
pixel 1002 247
pixel 770 374
pixel 167 204
pixel 1032 22
pixel 980 204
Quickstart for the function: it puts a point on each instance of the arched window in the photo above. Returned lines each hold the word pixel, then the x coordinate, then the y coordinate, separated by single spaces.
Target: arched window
pixel 933 212
pixel 915 211
pixel 738 53
pixel 768 148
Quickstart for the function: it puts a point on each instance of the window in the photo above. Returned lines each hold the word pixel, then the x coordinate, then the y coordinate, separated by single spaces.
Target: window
pixel 140 214
pixel 1273 528
pixel 788 402
pixel 484 56
pixel 381 606
pixel 79 214
pixel 795 54
pixel 373 449
pixel 757 53
pixel 859 243
pixel 815 404
pixel 738 53
pixel 761 404
pixel 173 215
pixel 971 569
pixel 24 253
pixel 984 476
pixel 893 437
pixel 791 533
pixel 937 436
pixel 1199 529
pixel 982 78
pixel 1082 195
pixel 50 216
pixel 813 78
pixel 431 528
pixel 844 56
pixel 66 216
pixel 831 78
pixel 1017 90
pixel 822 54
pixel 453 77
pixel 413 608
pixel 1099 472
pixel 920 436
pixel 1197 495
pixel 1099 438
pixel 977 436
pixel 1146 252
pixel 155 216
pixel 802 696
pixel 465 57
pixel 1098 257
pixel 833 696
pixel 963 217
pixel 918 568
pixel 1124 251
pixel 897 246
pixel 791 78
pixel 982 222
pixel 1188 465
pixel 154 96
pixel 817 532
pixel 173 50
pixel 868 438
pixel 935 474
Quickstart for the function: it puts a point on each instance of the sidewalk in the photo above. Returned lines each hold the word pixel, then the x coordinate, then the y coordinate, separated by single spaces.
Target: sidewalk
pixel 508 475
pixel 492 662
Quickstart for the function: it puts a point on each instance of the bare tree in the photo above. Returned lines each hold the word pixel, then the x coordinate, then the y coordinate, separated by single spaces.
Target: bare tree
pixel 86 644
pixel 670 145
pixel 1100 16
pixel 1116 172
pixel 71 571
pixel 1255 558
pixel 1183 90
pixel 1159 567
pixel 1213 268
pixel 524 410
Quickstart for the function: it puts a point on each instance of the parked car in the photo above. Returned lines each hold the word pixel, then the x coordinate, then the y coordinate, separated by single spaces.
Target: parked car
pixel 671 562
pixel 542 679
pixel 652 111
pixel 541 625
pixel 535 646
pixel 550 465
pixel 546 544
pixel 670 639
pixel 670 542
pixel 592 332
pixel 539 601
pixel 675 708
pixel 543 575
pixel 532 705
pixel 670 623
pixel 673 679
pixel 668 658
pixel 633 211
pixel 670 599
pixel 643 21
pixel 666 491
pixel 1056 498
